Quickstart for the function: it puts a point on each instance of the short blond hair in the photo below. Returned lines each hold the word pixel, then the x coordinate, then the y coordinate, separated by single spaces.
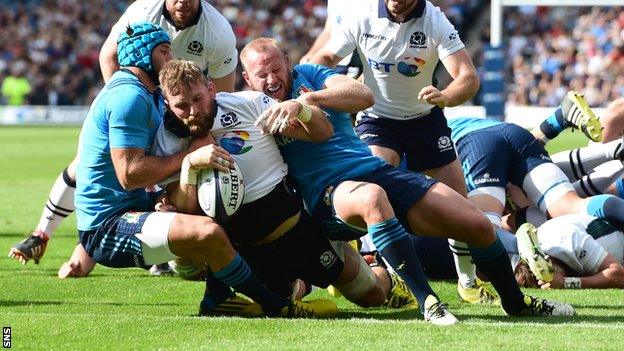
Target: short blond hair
pixel 258 45
pixel 179 75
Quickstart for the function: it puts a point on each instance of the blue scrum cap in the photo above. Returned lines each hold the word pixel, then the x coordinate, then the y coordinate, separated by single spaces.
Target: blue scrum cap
pixel 135 45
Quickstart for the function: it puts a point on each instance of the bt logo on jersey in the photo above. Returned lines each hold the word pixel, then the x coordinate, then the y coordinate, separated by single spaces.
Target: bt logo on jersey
pixel 409 67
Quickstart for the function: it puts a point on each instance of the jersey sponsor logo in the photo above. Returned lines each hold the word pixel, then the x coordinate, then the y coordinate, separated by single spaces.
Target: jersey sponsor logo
pixel 195 48
pixel 229 119
pixel 328 258
pixel 418 40
pixel 486 178
pixel 368 135
pixel 374 36
pixel 409 67
pixel 445 143
pixel 234 142
pixel 282 141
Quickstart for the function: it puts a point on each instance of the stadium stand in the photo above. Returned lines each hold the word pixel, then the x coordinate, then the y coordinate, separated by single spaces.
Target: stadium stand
pixel 55 44
pixel 551 50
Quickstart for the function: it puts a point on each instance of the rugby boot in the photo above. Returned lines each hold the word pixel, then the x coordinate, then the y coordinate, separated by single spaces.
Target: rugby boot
pixel 33 247
pixel 579 115
pixel 530 251
pixel 543 308
pixel 400 296
pixel 481 293
pixel 235 305
pixel 437 313
pixel 309 309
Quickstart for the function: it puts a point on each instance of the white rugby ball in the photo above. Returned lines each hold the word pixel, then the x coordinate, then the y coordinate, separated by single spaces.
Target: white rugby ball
pixel 220 194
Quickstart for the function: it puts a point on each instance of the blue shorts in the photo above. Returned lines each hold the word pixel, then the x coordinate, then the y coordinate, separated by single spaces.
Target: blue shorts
pixel 425 141
pixel 403 188
pixel 498 155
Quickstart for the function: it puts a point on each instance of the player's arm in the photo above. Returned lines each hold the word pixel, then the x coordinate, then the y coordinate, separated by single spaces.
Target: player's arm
pixel 108 55
pixel 464 85
pixel 610 274
pixel 326 58
pixel 296 119
pixel 342 94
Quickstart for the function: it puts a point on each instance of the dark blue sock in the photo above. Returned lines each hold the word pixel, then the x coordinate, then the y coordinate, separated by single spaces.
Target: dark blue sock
pixel 216 291
pixel 238 275
pixel 394 244
pixel 493 262
pixel 554 124
pixel 609 207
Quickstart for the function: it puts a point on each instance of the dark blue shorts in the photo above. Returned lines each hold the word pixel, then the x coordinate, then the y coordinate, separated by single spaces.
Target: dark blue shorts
pixel 403 188
pixel 114 244
pixel 425 141
pixel 498 155
pixel 302 252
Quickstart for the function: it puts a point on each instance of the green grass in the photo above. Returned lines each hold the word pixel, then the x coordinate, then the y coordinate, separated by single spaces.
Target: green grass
pixel 128 309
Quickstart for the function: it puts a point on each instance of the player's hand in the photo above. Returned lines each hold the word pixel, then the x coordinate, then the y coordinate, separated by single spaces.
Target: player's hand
pixel 433 96
pixel 558 282
pixel 211 156
pixel 279 116
pixel 164 205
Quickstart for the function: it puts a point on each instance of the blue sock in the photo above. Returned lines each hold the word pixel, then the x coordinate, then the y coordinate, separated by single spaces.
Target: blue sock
pixel 493 262
pixel 619 186
pixel 554 124
pixel 394 244
pixel 608 207
pixel 216 291
pixel 238 275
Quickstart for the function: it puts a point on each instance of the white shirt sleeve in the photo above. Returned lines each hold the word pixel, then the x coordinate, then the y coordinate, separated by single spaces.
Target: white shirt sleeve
pixel 343 40
pixel 446 37
pixel 136 12
pixel 223 55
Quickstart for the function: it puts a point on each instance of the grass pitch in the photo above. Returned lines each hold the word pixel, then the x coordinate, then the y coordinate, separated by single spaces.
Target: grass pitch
pixel 128 309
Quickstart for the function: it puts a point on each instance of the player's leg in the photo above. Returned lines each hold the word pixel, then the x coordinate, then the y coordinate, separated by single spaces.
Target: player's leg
pixel 59 205
pixel 573 112
pixel 577 163
pixel 443 211
pixel 365 204
pixel 604 179
pixel 79 264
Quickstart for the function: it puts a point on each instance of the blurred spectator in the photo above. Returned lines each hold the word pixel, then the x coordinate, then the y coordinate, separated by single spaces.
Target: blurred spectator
pixel 553 49
pixel 59 40
pixel 15 87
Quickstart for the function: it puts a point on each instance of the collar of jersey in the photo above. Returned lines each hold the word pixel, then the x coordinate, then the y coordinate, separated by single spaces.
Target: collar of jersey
pixel 416 13
pixel 170 20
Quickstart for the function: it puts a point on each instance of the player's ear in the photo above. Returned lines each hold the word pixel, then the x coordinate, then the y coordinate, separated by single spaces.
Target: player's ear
pixel 212 89
pixel 246 78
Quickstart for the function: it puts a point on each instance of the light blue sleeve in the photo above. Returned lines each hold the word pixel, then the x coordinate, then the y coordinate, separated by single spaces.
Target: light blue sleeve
pixel 315 74
pixel 129 118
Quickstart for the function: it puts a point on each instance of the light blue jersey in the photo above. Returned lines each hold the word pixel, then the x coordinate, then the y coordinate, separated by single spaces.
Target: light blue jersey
pixel 315 166
pixel 124 115
pixel 464 125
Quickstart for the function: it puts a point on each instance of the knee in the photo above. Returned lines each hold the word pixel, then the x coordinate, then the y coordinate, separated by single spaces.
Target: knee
pixel 210 235
pixel 374 298
pixel 375 204
pixel 480 232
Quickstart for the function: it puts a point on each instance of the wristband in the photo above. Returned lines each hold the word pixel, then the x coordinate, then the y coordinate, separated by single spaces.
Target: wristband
pixel 188 174
pixel 305 115
pixel 572 283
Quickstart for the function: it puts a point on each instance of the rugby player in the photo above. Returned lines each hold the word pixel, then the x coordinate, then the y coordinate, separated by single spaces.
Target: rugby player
pixel 400 43
pixel 200 34
pixel 351 192
pixel 271 229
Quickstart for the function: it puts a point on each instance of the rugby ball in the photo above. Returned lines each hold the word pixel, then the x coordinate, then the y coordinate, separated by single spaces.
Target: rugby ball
pixel 220 194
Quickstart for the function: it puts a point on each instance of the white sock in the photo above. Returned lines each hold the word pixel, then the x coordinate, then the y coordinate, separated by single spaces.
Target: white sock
pixel 60 204
pixel 600 180
pixel 466 270
pixel 577 163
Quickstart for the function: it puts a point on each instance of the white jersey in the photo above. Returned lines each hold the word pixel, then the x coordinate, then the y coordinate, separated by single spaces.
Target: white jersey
pixel 337 13
pixel 255 153
pixel 566 238
pixel 210 43
pixel 398 59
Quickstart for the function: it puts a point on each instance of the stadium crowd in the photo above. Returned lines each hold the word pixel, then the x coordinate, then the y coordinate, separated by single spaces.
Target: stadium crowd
pixel 49 49
pixel 554 49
